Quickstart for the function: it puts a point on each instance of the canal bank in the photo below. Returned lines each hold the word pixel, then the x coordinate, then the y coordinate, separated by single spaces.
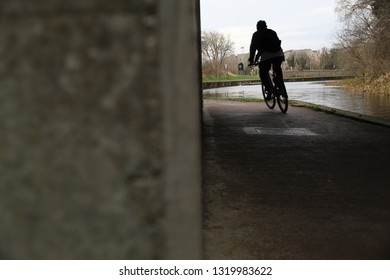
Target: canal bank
pixel 340 112
pixel 318 95
pixel 289 76
pixel 232 83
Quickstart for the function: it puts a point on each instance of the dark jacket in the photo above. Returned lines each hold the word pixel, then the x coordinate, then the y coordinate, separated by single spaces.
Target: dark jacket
pixel 264 41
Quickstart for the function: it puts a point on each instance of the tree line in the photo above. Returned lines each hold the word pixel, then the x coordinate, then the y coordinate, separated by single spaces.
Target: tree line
pixel 216 47
pixel 365 35
pixel 363 43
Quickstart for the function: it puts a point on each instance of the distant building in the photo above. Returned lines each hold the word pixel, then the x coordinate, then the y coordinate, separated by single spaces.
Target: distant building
pixel 237 64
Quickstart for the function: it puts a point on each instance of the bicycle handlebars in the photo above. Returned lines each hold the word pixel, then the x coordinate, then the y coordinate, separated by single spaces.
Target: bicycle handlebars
pixel 254 64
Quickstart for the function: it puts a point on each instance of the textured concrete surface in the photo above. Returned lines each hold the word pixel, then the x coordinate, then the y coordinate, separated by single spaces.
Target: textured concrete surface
pixel 87 168
pixel 305 185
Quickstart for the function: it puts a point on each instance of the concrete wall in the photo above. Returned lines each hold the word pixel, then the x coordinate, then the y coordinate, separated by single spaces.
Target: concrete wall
pixel 99 130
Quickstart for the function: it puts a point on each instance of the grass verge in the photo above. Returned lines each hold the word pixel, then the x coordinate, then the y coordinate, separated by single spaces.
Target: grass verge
pixel 229 78
pixel 379 85
pixel 237 99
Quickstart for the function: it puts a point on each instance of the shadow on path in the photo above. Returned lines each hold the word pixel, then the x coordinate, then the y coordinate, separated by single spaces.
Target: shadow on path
pixel 306 185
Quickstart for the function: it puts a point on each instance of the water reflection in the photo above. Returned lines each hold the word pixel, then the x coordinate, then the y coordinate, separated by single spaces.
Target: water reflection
pixel 318 93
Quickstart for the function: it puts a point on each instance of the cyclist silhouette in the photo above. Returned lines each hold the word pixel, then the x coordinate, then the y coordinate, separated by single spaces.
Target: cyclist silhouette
pixel 268 46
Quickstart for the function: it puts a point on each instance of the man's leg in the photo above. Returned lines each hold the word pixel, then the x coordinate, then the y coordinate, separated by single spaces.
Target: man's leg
pixel 277 68
pixel 264 68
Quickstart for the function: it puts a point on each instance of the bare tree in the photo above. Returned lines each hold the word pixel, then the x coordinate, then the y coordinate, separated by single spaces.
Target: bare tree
pixel 302 59
pixel 215 48
pixel 357 32
pixel 329 59
pixel 290 60
pixel 381 11
pixel 365 33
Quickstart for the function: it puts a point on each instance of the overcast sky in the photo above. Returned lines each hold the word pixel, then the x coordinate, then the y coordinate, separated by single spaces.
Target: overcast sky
pixel 300 24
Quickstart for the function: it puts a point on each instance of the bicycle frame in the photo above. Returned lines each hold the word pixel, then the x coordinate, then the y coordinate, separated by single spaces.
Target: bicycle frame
pixel 278 92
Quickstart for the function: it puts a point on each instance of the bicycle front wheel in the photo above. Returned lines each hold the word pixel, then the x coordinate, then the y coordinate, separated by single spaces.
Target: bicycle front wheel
pixel 270 102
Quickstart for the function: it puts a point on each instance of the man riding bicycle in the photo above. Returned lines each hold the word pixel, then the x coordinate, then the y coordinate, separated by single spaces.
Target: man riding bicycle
pixel 267 44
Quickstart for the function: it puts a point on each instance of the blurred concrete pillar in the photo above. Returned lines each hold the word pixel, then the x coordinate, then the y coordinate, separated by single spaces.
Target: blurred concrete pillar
pixel 99 130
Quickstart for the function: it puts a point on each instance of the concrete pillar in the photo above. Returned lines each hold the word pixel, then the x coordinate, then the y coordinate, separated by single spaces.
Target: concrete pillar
pixel 99 130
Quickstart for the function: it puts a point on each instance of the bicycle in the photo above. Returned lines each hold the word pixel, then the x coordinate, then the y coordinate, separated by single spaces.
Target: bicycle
pixel 278 93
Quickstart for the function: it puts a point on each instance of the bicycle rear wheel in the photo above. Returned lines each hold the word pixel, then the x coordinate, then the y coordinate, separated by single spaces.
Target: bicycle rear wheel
pixel 270 102
pixel 282 98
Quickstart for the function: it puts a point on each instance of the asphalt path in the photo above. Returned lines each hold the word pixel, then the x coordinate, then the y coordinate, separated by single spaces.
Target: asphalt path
pixel 302 185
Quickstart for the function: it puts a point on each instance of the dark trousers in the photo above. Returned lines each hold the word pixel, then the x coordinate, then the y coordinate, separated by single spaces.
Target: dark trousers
pixel 265 67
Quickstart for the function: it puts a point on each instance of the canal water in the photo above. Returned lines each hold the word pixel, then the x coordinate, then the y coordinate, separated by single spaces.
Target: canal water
pixel 318 93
